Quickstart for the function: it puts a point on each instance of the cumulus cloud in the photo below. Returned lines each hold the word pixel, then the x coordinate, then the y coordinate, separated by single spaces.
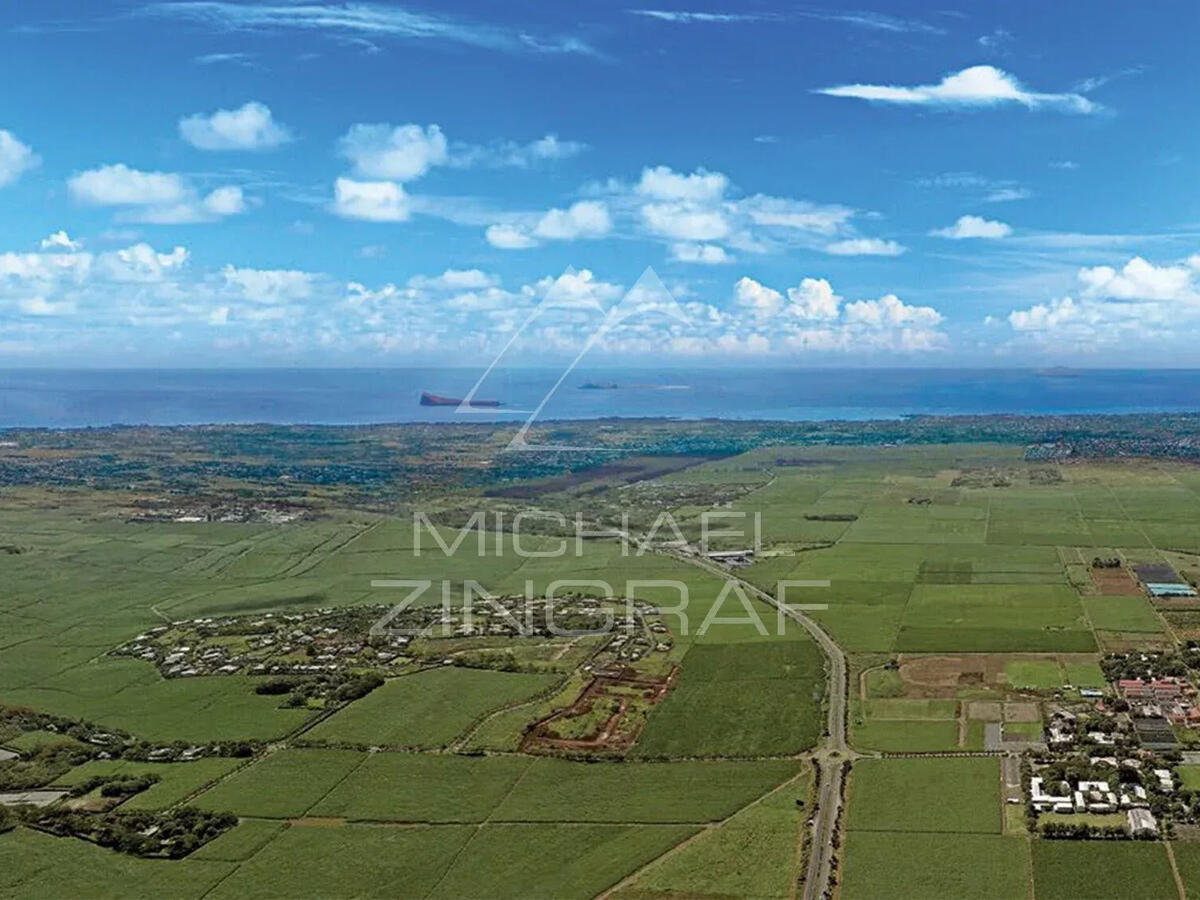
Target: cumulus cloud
pixel 370 201
pixel 268 286
pixel 702 208
pixel 250 127
pixel 140 263
pixel 813 298
pixel 16 158
pixel 119 185
pixel 813 317
pixel 685 222
pixel 973 227
pixel 974 87
pixel 402 153
pixel 864 247
pixel 158 198
pixel 59 240
pixel 585 219
pixel 1142 280
pixel 509 237
pixel 756 297
pixel 662 183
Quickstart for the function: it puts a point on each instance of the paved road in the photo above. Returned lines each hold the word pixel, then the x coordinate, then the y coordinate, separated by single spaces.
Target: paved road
pixel 831 755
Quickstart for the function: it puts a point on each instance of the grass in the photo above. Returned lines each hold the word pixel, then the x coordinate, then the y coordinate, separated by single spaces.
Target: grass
pixel 555 790
pixel 400 787
pixel 707 713
pixel 552 861
pixel 283 785
pixel 898 735
pixel 1038 675
pixel 1085 675
pixel 177 780
pixel 994 618
pixel 34 866
pixel 241 842
pixel 754 854
pixel 915 795
pixel 926 866
pixel 1123 614
pixel 1102 870
pixel 349 862
pixel 1189 776
pixel 428 709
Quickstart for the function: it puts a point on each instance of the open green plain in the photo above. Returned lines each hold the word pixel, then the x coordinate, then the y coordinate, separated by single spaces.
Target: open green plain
pixel 421 788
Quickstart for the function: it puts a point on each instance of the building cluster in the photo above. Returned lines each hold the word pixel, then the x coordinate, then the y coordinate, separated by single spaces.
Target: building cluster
pixel 1169 697
pixel 314 642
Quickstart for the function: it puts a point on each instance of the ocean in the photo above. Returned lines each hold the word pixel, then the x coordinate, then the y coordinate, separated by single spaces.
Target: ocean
pixel 77 398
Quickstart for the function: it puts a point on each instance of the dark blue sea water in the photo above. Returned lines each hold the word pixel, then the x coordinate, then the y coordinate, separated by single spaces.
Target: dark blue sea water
pixel 57 398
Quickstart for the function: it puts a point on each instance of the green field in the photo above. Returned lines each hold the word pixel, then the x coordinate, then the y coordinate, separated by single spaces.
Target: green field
pixel 176 780
pixel 753 854
pixel 927 866
pixel 707 714
pixel 1101 870
pixel 935 795
pixel 557 791
pixel 283 785
pixel 419 789
pixel 428 709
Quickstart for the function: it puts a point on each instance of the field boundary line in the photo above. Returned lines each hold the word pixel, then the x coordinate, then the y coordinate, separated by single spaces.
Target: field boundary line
pixel 479 827
pixel 1175 871
pixel 706 828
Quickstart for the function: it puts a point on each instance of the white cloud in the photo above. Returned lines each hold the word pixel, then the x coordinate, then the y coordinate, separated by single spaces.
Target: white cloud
pixel 703 254
pixel 864 247
pixel 783 213
pixel 156 198
pixel 759 299
pixel 691 18
pixel 370 201
pixel 1008 194
pixel 40 306
pixel 977 86
pixel 973 227
pixel 455 280
pixel 269 286
pixel 140 263
pixel 813 298
pixel 685 222
pixel 119 185
pixel 251 127
pixel 1045 316
pixel 509 237
pixel 402 153
pixel 359 21
pixel 1142 280
pixel 661 183
pixel 501 154
pixel 225 201
pixel 60 240
pixel 585 219
pixel 890 312
pixel 15 158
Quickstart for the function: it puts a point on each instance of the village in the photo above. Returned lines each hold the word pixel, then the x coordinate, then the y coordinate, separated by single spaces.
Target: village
pixel 349 641
pixel 1107 767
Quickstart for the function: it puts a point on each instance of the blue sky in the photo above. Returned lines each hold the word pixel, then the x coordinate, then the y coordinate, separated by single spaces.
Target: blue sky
pixel 234 183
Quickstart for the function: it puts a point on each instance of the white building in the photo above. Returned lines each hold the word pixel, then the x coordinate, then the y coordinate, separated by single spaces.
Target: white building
pixel 1141 821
